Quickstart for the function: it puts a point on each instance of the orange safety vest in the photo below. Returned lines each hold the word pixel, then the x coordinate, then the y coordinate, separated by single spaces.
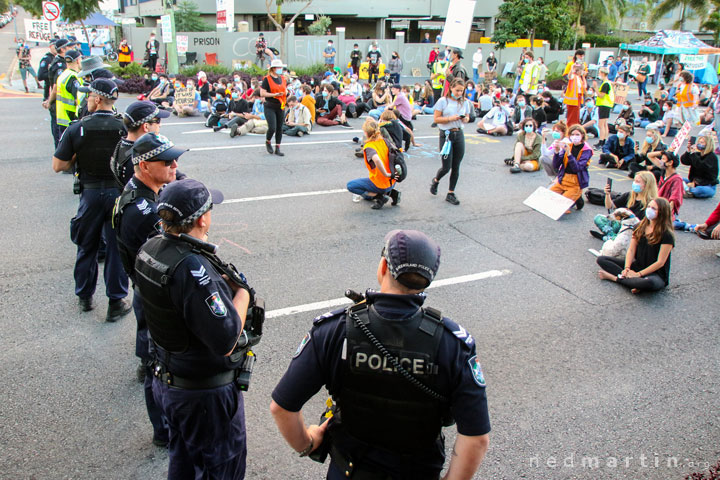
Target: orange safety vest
pixel 275 88
pixel 376 176
pixel 124 54
pixel 575 89
pixel 686 97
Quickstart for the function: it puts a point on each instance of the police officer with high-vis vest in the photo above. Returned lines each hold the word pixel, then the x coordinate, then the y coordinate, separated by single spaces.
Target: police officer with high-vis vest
pixel 57 66
pixel 67 98
pixel 605 103
pixel 398 372
pixel 529 76
pixel 88 144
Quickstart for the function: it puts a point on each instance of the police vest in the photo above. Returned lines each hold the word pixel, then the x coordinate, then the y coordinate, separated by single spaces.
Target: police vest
pixel 130 195
pixel 437 82
pixel 529 78
pixel 100 132
pixel 378 405
pixel 155 266
pixel 121 164
pixel 67 104
pixel 609 99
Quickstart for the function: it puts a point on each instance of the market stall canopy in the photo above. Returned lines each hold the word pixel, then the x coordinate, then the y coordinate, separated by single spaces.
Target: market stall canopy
pixel 100 20
pixel 671 42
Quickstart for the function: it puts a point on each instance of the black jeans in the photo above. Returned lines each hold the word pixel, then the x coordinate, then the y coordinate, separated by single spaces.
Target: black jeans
pixel 356 109
pixel 274 118
pixel 615 266
pixel 452 161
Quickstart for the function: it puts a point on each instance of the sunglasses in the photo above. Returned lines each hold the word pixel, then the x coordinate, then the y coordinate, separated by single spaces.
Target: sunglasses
pixel 168 163
pixel 155 121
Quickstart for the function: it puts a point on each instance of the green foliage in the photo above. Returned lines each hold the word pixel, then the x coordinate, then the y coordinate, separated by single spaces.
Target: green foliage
pixel 253 70
pixel 319 26
pixel 4 6
pixel 311 70
pixel 546 19
pixel 209 69
pixel 187 19
pixel 33 7
pixel 133 69
pixel 713 24
pixel 702 7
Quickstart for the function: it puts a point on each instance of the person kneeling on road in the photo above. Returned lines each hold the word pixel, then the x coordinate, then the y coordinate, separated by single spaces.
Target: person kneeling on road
pixel 298 121
pixel 377 161
pixel 526 154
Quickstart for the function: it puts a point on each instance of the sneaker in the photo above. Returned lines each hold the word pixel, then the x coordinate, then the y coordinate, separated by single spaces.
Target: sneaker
pixel 481 130
pixel 357 198
pixel 509 161
pixel 117 309
pixel 278 152
pixel 233 130
pixel 596 234
pixel 300 133
pixel 346 125
pixel 433 125
pixel 434 187
pixel 451 198
pixel 515 169
pixel 379 202
pixel 395 196
pixel 218 128
pixel 269 148
pixel 580 203
pixel 86 304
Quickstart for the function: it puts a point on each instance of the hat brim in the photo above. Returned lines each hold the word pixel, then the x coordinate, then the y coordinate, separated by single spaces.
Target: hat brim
pixel 82 73
pixel 171 153
pixel 217 196
pixel 162 114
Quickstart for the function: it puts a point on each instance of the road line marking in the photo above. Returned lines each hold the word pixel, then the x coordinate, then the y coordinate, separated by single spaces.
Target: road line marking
pixel 309 307
pixel 226 130
pixel 262 145
pixel 173 124
pixel 284 195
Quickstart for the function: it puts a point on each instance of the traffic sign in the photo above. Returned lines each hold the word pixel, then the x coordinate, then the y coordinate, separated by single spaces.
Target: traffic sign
pixel 51 11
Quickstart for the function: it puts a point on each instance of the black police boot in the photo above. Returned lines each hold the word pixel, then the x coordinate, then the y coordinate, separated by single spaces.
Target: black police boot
pixel 117 309
pixel 86 304
pixel 395 196
pixel 140 372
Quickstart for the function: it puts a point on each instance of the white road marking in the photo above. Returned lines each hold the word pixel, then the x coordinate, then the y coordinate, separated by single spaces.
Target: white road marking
pixel 227 131
pixel 309 307
pixel 174 124
pixel 294 144
pixel 284 195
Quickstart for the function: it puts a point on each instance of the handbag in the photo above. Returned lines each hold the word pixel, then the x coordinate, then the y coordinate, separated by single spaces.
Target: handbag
pixel 640 78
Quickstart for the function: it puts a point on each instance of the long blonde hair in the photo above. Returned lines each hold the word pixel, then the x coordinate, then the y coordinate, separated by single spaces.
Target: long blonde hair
pixel 650 146
pixel 709 143
pixel 647 194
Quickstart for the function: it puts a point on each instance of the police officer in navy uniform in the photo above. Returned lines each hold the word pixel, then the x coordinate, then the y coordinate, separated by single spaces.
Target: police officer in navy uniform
pixel 88 144
pixel 195 318
pixel 140 118
pixel 58 65
pixel 398 372
pixel 135 220
pixel 44 69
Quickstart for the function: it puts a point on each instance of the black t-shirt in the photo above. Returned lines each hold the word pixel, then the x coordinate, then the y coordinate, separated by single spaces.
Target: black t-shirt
pixel 647 254
pixel 637 208
pixel 605 87
pixel 374 56
pixel 271 101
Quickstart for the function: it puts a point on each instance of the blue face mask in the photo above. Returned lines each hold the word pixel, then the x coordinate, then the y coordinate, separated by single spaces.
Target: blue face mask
pixel 626 107
pixel 154 77
pixel 636 187
pixel 279 71
pixel 621 135
pixel 528 128
pixel 234 95
pixel 325 93
pixel 556 135
pixel 219 96
pixel 521 104
pixel 649 140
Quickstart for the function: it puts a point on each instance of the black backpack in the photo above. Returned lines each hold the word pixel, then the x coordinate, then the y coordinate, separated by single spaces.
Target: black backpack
pixel 398 166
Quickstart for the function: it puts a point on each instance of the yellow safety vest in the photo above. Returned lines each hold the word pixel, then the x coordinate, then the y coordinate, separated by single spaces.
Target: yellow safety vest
pixel 609 99
pixel 66 105
pixel 532 71
pixel 438 81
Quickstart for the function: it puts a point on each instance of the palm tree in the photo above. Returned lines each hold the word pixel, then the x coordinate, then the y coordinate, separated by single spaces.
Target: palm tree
pixel 608 8
pixel 713 24
pixel 701 7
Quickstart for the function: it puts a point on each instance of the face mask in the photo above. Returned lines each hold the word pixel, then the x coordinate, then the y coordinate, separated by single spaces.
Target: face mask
pixel 528 128
pixel 394 56
pixel 556 135
pixel 589 105
pixel 234 95
pixel 649 140
pixel 666 108
pixel 154 77
pixel 647 102
pixel 329 45
pixel 219 96
pixel 417 89
pixel 621 135
pixel 20 44
pixel 626 107
pixel 279 71
pixel 236 80
pixel 352 80
pixel 324 93
pixel 636 187
pixel 178 85
pixel 526 60
pixel 576 139
pixel 701 146
pixel 651 213
pixel 521 104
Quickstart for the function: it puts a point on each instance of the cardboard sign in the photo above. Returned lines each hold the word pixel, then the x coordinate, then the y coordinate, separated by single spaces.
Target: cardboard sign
pixel 549 203
pixel 621 90
pixel 680 137
pixel 166 27
pixel 38 30
pixel 490 76
pixel 182 43
pixel 184 96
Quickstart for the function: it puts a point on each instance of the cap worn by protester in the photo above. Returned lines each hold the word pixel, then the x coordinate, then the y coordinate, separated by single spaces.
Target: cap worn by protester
pixel 90 64
pixel 144 111
pixel 411 251
pixel 72 55
pixel 458 52
pixel 103 87
pixel 188 200
pixel 152 147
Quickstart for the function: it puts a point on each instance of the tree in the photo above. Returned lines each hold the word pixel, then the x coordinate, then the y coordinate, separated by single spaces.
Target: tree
pixel 4 5
pixel 187 19
pixel 547 19
pixel 72 10
pixel 607 9
pixel 277 19
pixel 701 7
pixel 712 23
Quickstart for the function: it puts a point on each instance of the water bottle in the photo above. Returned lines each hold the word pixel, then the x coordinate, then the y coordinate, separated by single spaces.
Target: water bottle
pixel 398 170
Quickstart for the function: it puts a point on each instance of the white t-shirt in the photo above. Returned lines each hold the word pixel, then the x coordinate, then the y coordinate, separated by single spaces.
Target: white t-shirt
pixel 449 108
pixel 477 59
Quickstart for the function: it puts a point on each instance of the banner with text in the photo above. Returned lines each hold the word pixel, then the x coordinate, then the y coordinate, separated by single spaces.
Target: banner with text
pixel 39 30
pixel 184 96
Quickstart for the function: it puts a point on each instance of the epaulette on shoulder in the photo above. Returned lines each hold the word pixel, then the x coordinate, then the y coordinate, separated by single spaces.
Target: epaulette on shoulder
pixel 459 332
pixel 328 315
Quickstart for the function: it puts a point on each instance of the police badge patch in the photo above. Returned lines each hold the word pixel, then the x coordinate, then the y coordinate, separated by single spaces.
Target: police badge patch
pixel 216 305
pixel 476 369
pixel 301 347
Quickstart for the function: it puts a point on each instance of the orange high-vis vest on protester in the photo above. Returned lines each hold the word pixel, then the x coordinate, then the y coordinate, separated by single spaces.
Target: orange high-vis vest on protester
pixel 685 96
pixel 575 88
pixel 124 55
pixel 281 88
pixel 376 175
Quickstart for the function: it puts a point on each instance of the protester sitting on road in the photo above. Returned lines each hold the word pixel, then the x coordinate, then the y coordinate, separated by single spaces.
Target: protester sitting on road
pixel 646 266
pixel 538 114
pixel 354 106
pixel 669 124
pixel 195 108
pixel 381 99
pixel 526 152
pixel 619 149
pixel 643 190
pixel 484 103
pixel 377 160
pixel 553 108
pixel 651 148
pixel 253 122
pixel 711 227
pixel 649 113
pixel 401 106
pixel 218 110
pixel 495 121
pixel 670 185
pixel 521 111
pixel 297 120
pixel 203 86
pixel 328 108
pixel 571 162
pixel 589 117
pixel 626 117
pixel 427 100
pixel 159 94
pixel 558 133
pixel 703 162
pixel 309 101
pixel 236 107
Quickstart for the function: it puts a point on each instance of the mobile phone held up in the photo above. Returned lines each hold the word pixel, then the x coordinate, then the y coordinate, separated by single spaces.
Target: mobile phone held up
pixel 609 183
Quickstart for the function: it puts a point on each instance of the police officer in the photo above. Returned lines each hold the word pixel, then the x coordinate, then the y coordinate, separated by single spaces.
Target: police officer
pixel 195 318
pixel 54 70
pixel 44 68
pixel 67 91
pixel 398 372
pixel 136 220
pixel 140 118
pixel 89 143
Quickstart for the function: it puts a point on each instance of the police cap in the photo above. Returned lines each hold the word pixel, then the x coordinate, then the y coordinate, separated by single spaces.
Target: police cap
pixel 103 87
pixel 411 251
pixel 188 199
pixel 142 112
pixel 72 55
pixel 152 147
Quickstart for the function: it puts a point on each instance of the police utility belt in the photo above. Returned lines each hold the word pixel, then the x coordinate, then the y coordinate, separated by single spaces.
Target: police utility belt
pixel 219 380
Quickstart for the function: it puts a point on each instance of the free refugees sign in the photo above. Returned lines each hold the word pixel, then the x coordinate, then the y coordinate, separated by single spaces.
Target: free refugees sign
pixel 38 30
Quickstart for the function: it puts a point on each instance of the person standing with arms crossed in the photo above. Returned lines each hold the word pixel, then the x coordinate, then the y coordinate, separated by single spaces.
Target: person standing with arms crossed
pixel 274 90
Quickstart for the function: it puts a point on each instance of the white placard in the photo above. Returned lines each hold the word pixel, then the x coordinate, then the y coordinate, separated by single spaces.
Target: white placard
pixel 182 43
pixel 166 26
pixel 636 64
pixel 225 14
pixel 680 137
pixel 548 203
pixel 458 23
pixel 38 30
pixel 694 62
pixel 603 56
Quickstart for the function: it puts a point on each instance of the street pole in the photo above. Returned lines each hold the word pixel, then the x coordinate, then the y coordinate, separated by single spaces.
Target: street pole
pixel 14 14
pixel 171 48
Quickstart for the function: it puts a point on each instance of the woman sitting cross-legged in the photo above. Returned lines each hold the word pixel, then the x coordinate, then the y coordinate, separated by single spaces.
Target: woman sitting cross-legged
pixel 646 266
pixel 526 154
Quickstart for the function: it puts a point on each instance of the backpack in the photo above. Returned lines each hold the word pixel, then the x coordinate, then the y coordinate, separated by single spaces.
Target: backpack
pixel 395 157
